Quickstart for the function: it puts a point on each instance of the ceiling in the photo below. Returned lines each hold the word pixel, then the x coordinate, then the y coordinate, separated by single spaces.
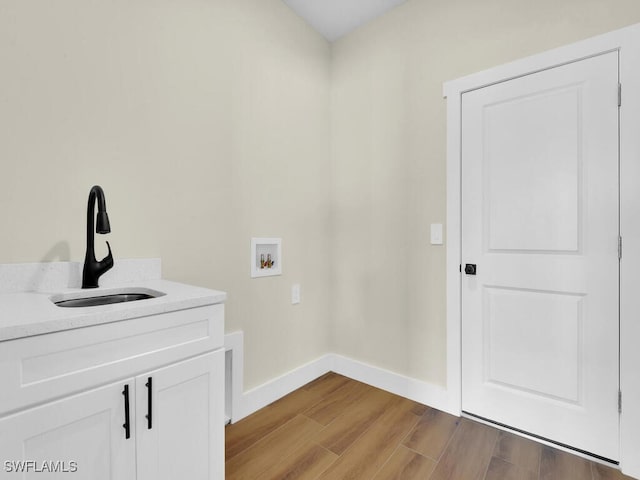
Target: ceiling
pixel 335 18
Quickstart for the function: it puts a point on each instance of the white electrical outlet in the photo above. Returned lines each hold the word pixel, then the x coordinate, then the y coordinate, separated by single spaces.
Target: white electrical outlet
pixel 295 294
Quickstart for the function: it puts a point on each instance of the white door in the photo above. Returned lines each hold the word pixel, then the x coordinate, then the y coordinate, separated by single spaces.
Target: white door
pixel 77 437
pixel 540 222
pixel 185 436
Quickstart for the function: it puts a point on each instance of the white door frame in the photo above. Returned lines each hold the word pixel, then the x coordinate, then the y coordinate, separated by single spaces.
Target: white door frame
pixel 627 42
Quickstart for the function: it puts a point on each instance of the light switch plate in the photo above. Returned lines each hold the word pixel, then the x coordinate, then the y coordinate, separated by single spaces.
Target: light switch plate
pixel 295 294
pixel 436 234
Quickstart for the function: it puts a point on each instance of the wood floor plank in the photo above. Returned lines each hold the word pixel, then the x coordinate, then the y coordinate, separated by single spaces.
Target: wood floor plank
pixel 306 463
pixel 519 451
pixel 332 406
pixel 249 430
pixel 602 472
pixel 502 470
pixel 354 421
pixel 376 445
pixel 468 454
pixel 419 409
pixel 257 459
pixel 558 465
pixel 432 434
pixel 326 384
pixel 406 464
pixel 382 436
pixel 320 379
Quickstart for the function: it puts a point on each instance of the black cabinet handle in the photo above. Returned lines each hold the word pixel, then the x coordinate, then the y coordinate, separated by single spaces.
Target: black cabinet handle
pixel 149 404
pixel 126 425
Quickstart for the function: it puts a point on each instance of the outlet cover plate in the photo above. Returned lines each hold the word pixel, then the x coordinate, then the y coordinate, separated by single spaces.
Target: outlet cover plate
pixel 295 294
pixel 436 234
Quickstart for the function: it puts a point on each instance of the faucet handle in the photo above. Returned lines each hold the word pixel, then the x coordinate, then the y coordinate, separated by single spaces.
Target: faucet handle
pixel 107 262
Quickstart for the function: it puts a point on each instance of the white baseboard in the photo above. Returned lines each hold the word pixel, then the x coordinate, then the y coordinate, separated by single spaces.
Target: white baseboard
pixel 262 395
pixel 246 403
pixel 426 393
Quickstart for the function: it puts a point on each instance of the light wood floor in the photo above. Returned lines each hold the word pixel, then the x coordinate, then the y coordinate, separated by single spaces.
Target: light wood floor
pixel 337 428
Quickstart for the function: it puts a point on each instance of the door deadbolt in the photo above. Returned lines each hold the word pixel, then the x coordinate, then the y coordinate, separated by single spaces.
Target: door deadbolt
pixel 470 269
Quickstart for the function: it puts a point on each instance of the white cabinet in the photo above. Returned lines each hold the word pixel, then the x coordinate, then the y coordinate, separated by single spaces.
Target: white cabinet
pixel 81 434
pixel 60 420
pixel 187 408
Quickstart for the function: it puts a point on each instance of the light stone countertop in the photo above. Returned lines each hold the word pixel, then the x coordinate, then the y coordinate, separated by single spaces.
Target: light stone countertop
pixel 24 314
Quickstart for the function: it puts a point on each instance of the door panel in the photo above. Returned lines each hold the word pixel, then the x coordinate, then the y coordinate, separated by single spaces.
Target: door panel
pixel 77 437
pixel 518 319
pixel 186 438
pixel 533 157
pixel 540 221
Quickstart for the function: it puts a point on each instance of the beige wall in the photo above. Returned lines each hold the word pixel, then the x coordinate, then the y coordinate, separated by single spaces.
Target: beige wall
pixel 206 122
pixel 388 158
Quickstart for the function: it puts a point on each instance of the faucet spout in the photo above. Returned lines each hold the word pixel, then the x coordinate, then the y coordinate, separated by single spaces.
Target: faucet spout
pixel 93 268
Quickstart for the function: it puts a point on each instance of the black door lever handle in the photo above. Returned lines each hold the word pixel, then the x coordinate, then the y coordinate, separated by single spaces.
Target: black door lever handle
pixel 470 268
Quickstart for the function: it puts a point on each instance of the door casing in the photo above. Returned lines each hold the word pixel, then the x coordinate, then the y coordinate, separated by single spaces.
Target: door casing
pixel 627 42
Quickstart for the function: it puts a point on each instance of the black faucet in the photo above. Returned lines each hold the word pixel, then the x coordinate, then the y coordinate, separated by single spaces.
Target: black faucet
pixel 93 268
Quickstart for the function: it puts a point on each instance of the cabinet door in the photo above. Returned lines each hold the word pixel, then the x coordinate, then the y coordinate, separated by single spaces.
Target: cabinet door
pixel 82 434
pixel 185 436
